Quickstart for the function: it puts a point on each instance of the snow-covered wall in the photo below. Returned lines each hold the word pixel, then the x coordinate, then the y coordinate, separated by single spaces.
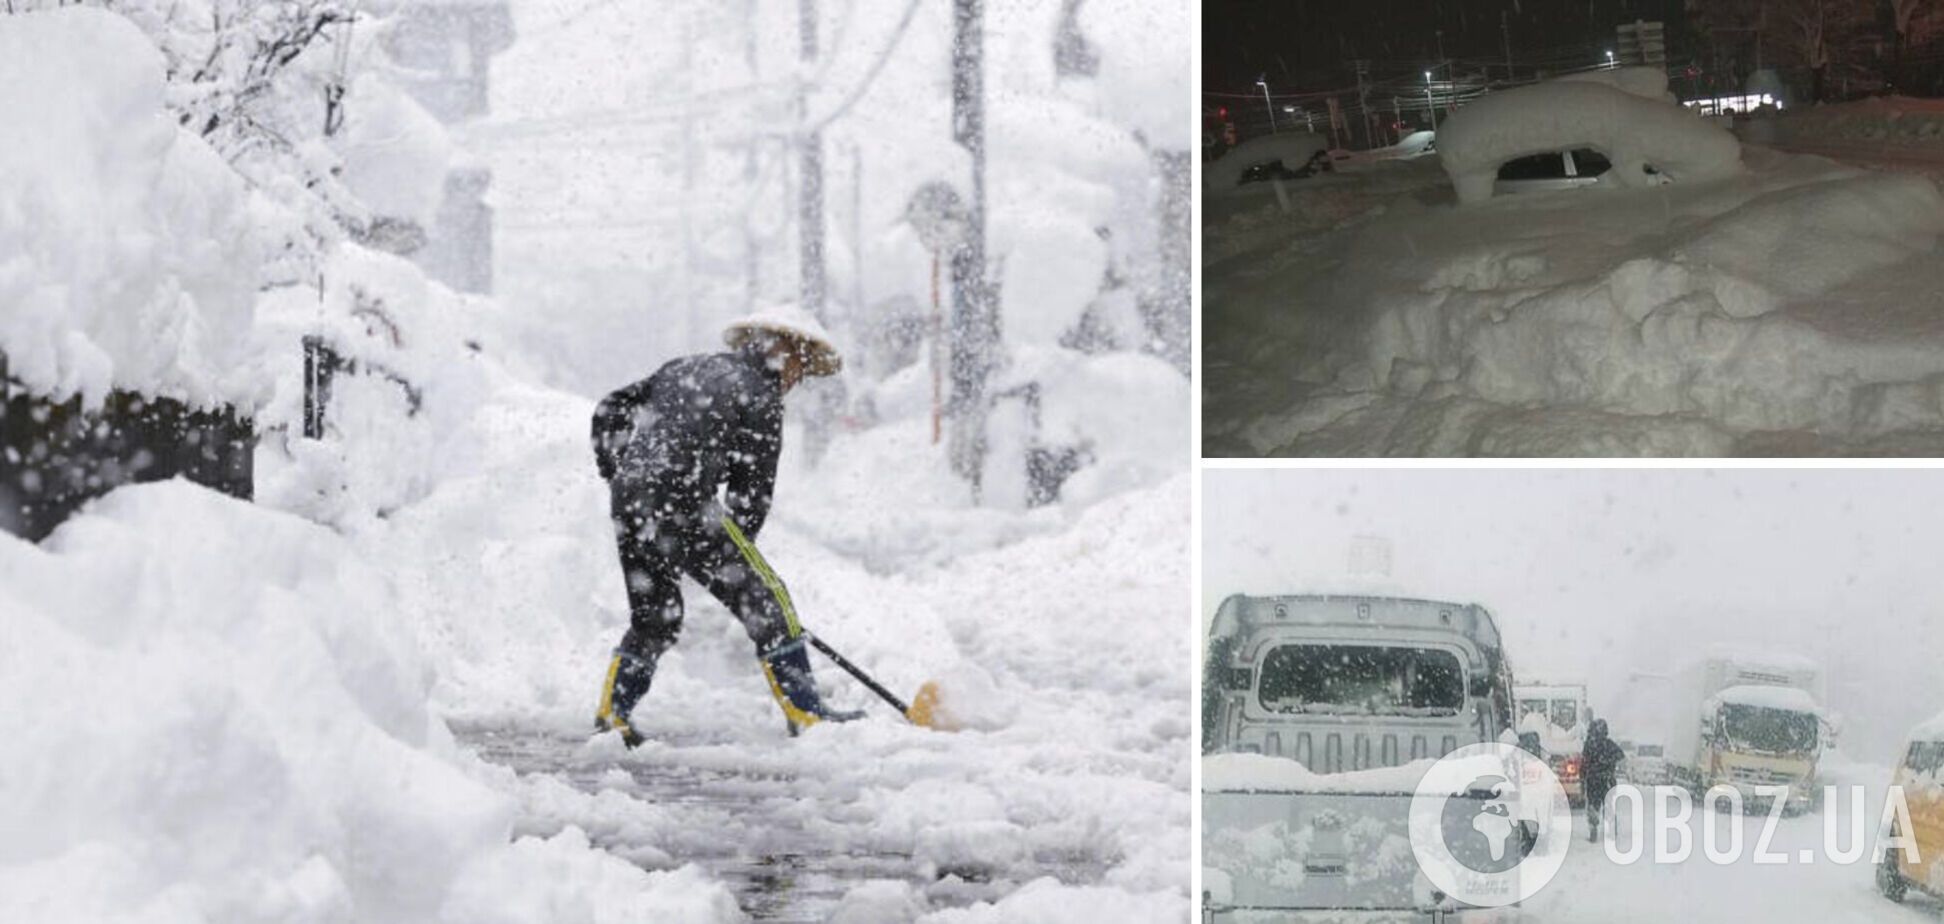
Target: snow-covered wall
pixel 128 253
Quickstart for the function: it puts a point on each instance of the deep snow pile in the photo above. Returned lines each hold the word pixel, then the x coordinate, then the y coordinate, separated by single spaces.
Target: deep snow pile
pixel 1636 132
pixel 129 246
pixel 216 713
pixel 1791 308
pixel 1896 129
pixel 1291 149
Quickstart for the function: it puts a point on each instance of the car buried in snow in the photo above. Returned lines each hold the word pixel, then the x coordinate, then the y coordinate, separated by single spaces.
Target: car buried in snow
pixel 1921 777
pixel 1354 697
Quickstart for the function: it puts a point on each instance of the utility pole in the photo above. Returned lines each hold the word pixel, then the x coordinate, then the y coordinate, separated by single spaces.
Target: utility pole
pixel 1505 32
pixel 1363 101
pixel 810 198
pixel 1430 104
pixel 975 322
pixel 1263 82
pixel 1442 65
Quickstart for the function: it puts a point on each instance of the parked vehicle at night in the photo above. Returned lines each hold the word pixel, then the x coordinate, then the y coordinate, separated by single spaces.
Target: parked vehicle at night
pixel 1552 171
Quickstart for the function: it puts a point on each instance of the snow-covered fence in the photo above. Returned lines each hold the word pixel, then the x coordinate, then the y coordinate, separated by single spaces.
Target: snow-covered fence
pixel 56 456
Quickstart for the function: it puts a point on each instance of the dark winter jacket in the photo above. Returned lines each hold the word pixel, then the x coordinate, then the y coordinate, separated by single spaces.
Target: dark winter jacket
pixel 1600 762
pixel 699 424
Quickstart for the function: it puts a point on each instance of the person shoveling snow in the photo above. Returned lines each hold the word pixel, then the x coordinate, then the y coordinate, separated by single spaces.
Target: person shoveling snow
pixel 666 445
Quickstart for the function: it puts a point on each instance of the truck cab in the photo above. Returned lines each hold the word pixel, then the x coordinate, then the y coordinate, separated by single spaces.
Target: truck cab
pixel 1760 728
pixel 1558 714
pixel 1363 693
pixel 1921 777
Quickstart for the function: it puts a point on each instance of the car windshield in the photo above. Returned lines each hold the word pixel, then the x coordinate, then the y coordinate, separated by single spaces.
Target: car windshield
pixel 1362 680
pixel 1776 731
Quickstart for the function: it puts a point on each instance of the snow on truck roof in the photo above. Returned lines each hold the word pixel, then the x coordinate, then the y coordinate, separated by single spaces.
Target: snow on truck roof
pixel 1768 697
pixel 1634 131
pixel 1932 730
pixel 1240 612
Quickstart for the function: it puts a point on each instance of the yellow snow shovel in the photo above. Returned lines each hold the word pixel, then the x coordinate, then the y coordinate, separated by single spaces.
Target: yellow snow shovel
pixel 924 710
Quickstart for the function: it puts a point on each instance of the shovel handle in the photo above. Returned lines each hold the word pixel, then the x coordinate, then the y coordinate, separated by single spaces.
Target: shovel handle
pixel 858 672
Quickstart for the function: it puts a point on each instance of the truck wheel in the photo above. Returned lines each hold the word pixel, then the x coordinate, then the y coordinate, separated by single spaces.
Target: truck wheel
pixel 1890 880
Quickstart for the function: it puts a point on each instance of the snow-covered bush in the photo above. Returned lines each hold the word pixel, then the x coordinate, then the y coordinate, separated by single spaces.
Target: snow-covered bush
pixel 131 250
pixel 1635 132
pixel 1293 150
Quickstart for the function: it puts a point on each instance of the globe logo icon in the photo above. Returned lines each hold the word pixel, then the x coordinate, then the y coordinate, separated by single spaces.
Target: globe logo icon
pixel 1490 835
pixel 1486 825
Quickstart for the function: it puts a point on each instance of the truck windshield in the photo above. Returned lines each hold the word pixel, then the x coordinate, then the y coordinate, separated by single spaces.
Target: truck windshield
pixel 1362 680
pixel 1777 731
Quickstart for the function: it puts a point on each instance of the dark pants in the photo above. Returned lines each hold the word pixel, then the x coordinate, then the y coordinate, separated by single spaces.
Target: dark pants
pixel 658 547
pixel 1596 795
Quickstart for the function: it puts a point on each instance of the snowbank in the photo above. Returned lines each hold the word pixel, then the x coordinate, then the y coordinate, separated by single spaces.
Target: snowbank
pixel 1634 132
pixel 234 727
pixel 1293 149
pixel 1786 309
pixel 1896 128
pixel 1245 772
pixel 129 255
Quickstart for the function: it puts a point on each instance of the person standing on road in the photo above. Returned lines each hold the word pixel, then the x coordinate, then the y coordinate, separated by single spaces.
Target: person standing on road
pixel 689 455
pixel 1600 761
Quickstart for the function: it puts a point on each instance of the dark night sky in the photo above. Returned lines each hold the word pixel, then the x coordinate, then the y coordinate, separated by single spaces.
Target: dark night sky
pixel 1304 44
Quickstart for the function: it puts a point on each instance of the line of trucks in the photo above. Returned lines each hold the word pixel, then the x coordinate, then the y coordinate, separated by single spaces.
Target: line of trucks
pixel 1362 692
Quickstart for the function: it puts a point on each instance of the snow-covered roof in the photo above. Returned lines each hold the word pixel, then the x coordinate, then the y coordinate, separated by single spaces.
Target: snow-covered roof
pixel 1932 730
pixel 1548 690
pixel 1633 131
pixel 1240 611
pixel 1767 697
pixel 1644 82
pixel 1777 661
pixel 129 251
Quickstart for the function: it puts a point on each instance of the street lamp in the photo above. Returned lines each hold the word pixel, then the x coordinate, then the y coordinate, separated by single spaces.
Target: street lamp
pixel 1429 103
pixel 1263 82
pixel 1609 57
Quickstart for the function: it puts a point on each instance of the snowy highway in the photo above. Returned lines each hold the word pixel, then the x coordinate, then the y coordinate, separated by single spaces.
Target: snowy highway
pixel 1592 889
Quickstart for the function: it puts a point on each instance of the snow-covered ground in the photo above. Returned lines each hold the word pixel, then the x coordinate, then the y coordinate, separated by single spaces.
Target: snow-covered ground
pixel 368 696
pixel 1790 309
pixel 1592 889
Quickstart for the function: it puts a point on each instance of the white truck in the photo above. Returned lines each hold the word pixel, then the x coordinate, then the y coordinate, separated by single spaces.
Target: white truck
pixel 1637 721
pixel 1753 723
pixel 1558 715
pixel 1319 716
